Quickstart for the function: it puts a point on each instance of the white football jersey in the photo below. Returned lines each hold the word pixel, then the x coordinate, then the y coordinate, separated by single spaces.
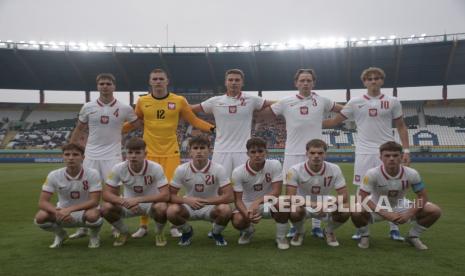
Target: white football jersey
pixel 202 183
pixel 105 123
pixel 146 182
pixel 373 117
pixel 255 184
pixel 72 190
pixel 304 117
pixel 378 182
pixel 313 184
pixel 233 119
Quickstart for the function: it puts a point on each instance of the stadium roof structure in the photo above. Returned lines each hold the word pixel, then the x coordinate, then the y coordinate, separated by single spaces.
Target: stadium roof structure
pixel 437 60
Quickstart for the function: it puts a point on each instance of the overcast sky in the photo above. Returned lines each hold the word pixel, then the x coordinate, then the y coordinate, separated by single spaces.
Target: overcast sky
pixel 202 22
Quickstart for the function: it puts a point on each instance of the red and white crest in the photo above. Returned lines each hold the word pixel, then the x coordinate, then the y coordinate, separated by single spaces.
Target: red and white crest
pixel 258 187
pixel 315 189
pixel 171 106
pixel 75 195
pixel 199 188
pixel 104 120
pixel 303 110
pixel 373 112
pixel 392 193
pixel 357 178
pixel 233 109
pixel 138 189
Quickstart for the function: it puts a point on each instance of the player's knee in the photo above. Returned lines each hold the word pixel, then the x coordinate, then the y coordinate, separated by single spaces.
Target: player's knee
pixel 41 217
pixel 107 208
pixel 238 220
pixel 223 210
pixel 92 215
pixel 341 217
pixel 433 210
pixel 298 215
pixel 173 211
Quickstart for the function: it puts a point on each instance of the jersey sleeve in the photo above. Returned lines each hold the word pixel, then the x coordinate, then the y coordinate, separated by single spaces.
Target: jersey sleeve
pixel 328 104
pixel 237 181
pixel 94 182
pixel 222 177
pixel 258 103
pixel 368 182
pixel 188 115
pixel 277 173
pixel 277 108
pixel 417 183
pixel 160 177
pixel 113 179
pixel 49 185
pixel 339 181
pixel 138 109
pixel 130 114
pixel 348 110
pixel 207 106
pixel 396 109
pixel 83 116
pixel 177 180
pixel 292 177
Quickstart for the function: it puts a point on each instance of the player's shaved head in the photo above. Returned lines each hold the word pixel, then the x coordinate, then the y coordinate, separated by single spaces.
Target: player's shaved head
pixel 200 140
pixel 73 146
pixel 135 143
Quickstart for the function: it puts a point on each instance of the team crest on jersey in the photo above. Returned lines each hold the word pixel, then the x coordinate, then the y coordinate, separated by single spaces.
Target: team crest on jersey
pixel 316 189
pixel 258 187
pixel 303 110
pixel 75 195
pixel 373 112
pixel 357 178
pixel 104 120
pixel 199 188
pixel 171 106
pixel 138 189
pixel 233 109
pixel 393 193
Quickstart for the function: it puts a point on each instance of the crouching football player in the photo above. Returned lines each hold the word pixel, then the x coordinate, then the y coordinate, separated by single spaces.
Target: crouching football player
pixel 208 193
pixel 314 179
pixel 254 180
pixel 387 186
pixel 146 192
pixel 78 191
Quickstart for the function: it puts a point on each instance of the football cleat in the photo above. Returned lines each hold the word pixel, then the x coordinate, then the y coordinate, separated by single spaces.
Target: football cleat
pixel 94 242
pixel 417 243
pixel 160 239
pixel 219 239
pixel 186 238
pixel 291 232
pixel 246 237
pixel 395 235
pixel 121 239
pixel 175 233
pixel 282 243
pixel 331 239
pixel 59 240
pixel 364 242
pixel 298 239
pixel 356 236
pixel 317 233
pixel 140 233
pixel 80 233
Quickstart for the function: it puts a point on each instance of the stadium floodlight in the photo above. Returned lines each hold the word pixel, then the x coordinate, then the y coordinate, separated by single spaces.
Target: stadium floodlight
pixel 422 37
pixel 245 44
pixel 392 37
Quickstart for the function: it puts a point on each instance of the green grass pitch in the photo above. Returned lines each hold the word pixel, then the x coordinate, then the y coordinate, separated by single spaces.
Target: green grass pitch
pixel 24 247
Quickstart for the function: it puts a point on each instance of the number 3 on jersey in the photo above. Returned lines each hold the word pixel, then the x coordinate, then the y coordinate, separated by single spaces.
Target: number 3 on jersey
pixel 160 114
